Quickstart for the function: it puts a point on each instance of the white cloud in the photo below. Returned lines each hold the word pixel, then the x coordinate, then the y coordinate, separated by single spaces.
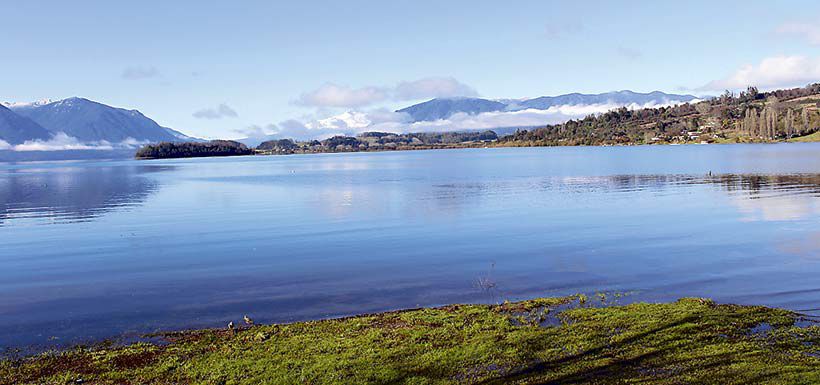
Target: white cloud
pixel 221 111
pixel 808 31
pixel 338 96
pixel 332 95
pixel 132 143
pixel 62 142
pixel 772 72
pixel 255 134
pixel 137 73
pixel 433 87
pixel 293 128
pixel 288 129
pixel 355 122
pixel 346 123
pixel 488 120
pixel 257 131
pixel 343 121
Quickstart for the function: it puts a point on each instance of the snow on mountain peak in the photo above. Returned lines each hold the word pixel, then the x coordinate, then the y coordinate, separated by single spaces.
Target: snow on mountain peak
pixel 35 103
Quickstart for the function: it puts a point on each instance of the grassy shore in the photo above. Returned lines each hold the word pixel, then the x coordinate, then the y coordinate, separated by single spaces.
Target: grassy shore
pixel 815 137
pixel 551 340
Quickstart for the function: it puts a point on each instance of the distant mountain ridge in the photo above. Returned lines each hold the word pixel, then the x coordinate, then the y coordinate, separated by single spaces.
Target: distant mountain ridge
pixel 625 97
pixel 16 129
pixel 443 108
pixel 90 121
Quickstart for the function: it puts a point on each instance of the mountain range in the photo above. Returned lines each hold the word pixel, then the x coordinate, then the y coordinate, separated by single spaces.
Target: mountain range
pixel 88 122
pixel 84 120
pixel 443 108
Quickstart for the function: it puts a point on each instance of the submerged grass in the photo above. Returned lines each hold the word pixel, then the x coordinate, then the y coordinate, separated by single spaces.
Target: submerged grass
pixel 688 341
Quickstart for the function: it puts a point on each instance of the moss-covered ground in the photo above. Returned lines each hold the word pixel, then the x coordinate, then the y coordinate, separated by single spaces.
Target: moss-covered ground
pixel 558 340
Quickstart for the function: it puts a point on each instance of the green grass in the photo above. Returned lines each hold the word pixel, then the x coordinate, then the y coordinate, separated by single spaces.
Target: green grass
pixel 688 341
pixel 815 137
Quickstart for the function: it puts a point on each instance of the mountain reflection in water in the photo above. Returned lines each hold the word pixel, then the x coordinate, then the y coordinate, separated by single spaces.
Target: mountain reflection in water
pixel 71 193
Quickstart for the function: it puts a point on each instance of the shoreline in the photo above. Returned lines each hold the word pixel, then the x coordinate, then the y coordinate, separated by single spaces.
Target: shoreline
pixel 816 139
pixel 94 155
pixel 572 339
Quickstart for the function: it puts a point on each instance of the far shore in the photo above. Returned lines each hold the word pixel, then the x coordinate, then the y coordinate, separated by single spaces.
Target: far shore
pixel 815 137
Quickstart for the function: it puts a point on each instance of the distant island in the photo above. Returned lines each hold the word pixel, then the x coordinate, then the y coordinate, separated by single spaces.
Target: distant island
pixel 166 150
pixel 748 117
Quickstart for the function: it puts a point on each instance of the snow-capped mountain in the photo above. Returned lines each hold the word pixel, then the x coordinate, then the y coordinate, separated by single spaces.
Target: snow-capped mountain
pixel 89 121
pixel 443 108
pixel 37 103
pixel 620 98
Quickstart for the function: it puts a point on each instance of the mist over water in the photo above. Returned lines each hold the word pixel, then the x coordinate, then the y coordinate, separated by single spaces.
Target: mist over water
pixel 91 250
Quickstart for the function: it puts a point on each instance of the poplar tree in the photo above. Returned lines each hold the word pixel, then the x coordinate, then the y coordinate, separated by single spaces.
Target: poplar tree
pixel 805 119
pixel 789 123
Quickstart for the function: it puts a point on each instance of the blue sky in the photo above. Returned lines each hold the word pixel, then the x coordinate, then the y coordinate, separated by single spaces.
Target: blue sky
pixel 219 69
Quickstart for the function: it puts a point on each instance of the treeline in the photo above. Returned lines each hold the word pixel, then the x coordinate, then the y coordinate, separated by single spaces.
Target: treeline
pixel 368 141
pixel 379 141
pixel 748 116
pixel 193 149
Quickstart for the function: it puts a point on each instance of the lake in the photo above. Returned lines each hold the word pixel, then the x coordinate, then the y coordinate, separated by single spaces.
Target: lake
pixel 101 249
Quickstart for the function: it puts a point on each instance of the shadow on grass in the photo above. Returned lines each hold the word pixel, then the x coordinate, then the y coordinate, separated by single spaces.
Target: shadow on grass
pixel 644 367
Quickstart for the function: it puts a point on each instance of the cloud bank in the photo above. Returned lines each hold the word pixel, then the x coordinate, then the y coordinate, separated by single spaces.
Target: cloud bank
pixel 355 122
pixel 63 142
pixel 219 112
pixel 339 96
pixel 333 95
pixel 771 72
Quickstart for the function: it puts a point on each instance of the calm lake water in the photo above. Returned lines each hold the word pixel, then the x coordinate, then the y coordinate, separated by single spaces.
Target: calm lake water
pixel 91 250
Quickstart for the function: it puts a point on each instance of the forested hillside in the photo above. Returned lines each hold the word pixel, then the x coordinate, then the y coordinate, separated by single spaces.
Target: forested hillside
pixel 750 116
